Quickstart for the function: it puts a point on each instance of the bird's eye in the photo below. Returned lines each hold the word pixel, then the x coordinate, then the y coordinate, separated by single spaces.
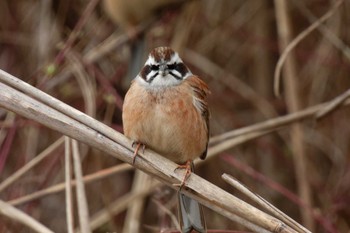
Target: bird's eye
pixel 172 66
pixel 154 67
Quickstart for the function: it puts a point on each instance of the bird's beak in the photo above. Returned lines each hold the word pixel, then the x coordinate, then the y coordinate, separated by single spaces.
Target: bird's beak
pixel 163 69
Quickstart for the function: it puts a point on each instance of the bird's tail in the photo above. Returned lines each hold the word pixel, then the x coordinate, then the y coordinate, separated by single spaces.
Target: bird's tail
pixel 191 214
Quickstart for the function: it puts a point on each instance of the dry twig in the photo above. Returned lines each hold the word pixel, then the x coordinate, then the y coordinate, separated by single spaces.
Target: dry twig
pixel 294 104
pixel 81 196
pixel 61 186
pixel 22 171
pixel 19 216
pixel 295 42
pixel 68 186
pixel 263 203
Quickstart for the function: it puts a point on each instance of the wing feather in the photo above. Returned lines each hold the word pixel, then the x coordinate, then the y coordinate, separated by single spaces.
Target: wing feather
pixel 201 92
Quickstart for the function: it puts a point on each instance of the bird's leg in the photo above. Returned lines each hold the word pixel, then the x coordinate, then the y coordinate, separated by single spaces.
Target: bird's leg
pixel 188 167
pixel 138 145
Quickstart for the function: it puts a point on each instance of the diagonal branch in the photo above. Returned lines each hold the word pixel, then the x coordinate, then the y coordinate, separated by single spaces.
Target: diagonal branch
pixel 117 145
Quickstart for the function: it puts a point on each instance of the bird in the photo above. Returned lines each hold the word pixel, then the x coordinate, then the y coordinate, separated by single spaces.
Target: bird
pixel 166 110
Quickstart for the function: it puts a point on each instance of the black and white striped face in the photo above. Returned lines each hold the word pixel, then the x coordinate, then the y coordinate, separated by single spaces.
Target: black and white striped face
pixel 163 67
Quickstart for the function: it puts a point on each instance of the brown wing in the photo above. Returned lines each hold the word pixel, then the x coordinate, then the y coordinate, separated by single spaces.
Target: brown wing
pixel 201 91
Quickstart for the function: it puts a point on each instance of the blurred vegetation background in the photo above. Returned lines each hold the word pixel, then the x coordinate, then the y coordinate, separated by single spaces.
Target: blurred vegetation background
pixel 84 55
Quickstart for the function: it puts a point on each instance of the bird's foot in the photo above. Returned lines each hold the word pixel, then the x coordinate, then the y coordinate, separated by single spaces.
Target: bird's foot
pixel 138 145
pixel 188 172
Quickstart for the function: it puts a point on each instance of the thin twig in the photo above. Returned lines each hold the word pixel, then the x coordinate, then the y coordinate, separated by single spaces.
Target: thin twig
pixel 294 104
pixel 114 41
pixel 141 182
pixel 61 186
pixel 230 81
pixel 5 147
pixel 295 42
pixel 232 142
pixel 169 213
pixel 270 125
pixel 73 35
pixel 15 214
pixel 273 185
pixel 325 29
pixel 333 105
pixel 7 123
pixel 263 203
pixel 68 187
pixel 103 216
pixel 109 45
pixel 85 84
pixel 80 190
pixel 36 160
